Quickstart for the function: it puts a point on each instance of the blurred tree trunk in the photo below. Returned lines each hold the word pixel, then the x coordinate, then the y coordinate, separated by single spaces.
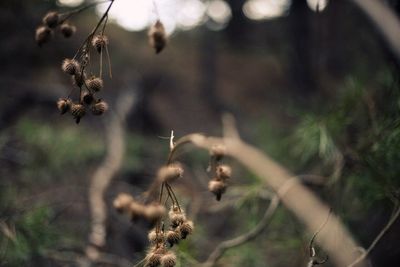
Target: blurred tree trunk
pixel 300 58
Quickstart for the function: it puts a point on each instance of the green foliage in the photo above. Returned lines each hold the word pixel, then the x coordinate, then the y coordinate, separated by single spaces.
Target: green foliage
pixel 53 150
pixel 31 233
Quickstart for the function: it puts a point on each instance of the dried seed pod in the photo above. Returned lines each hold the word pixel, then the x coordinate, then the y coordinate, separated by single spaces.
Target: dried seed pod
pixel 153 259
pixel 99 42
pixel 63 105
pixel 168 260
pixel 176 217
pixel 223 172
pixel 43 34
pixel 186 228
pixel 173 237
pixel 51 19
pixel 78 111
pixel 70 66
pixel 157 37
pixel 218 151
pixel 156 238
pixel 94 83
pixel 170 173
pixel 67 29
pixel 122 202
pixel 87 98
pixel 217 187
pixel 154 212
pixel 78 78
pixel 100 107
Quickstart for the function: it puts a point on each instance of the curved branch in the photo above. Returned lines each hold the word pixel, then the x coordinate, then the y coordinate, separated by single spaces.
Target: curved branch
pixel 237 241
pixel 365 254
pixel 296 197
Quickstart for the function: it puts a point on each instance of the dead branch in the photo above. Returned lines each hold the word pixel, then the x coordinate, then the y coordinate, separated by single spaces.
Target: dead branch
pixel 385 20
pixel 365 253
pixel 237 241
pixel 296 197
pixel 106 171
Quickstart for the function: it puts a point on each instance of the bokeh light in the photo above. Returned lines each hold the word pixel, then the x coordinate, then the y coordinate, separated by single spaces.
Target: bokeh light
pixel 265 9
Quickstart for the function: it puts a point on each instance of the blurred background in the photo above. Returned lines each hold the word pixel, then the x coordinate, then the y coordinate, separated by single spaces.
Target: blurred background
pixel 317 91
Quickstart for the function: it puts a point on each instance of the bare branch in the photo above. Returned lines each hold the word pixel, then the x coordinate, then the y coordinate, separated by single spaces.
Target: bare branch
pixel 237 241
pixel 103 175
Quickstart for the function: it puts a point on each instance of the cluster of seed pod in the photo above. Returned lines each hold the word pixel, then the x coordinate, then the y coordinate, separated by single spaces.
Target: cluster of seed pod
pixel 222 172
pixel 157 36
pixel 161 240
pixel 88 86
pixel 126 204
pixel 51 22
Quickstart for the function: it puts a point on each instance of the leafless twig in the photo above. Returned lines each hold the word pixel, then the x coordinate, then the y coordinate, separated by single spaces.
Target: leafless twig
pixel 237 241
pixel 365 254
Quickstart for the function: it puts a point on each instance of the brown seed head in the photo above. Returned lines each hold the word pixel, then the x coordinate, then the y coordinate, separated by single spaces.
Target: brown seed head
pixel 168 260
pixel 78 111
pixel 170 173
pixel 87 98
pixel 94 83
pixel 153 259
pixel 218 151
pixel 154 212
pixel 63 105
pixel 122 202
pixel 173 237
pixel 186 228
pixel 51 19
pixel 176 217
pixel 99 42
pixel 100 107
pixel 67 29
pixel 224 172
pixel 157 37
pixel 70 66
pixel 155 238
pixel 217 187
pixel 43 34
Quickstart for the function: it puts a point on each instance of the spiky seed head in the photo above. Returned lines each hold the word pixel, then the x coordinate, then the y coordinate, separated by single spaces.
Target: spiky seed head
pixel 218 151
pixel 223 172
pixel 94 83
pixel 43 34
pixel 217 187
pixel 78 111
pixel 63 105
pixel 99 42
pixel 78 78
pixel 70 66
pixel 87 98
pixel 157 37
pixel 168 260
pixel 173 237
pixel 51 19
pixel 186 228
pixel 122 202
pixel 67 29
pixel 153 259
pixel 156 238
pixel 170 173
pixel 154 212
pixel 100 107
pixel 176 217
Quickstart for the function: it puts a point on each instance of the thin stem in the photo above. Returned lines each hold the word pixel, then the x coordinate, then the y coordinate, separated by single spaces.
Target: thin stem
pixel 79 10
pixel 173 194
pixel 378 238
